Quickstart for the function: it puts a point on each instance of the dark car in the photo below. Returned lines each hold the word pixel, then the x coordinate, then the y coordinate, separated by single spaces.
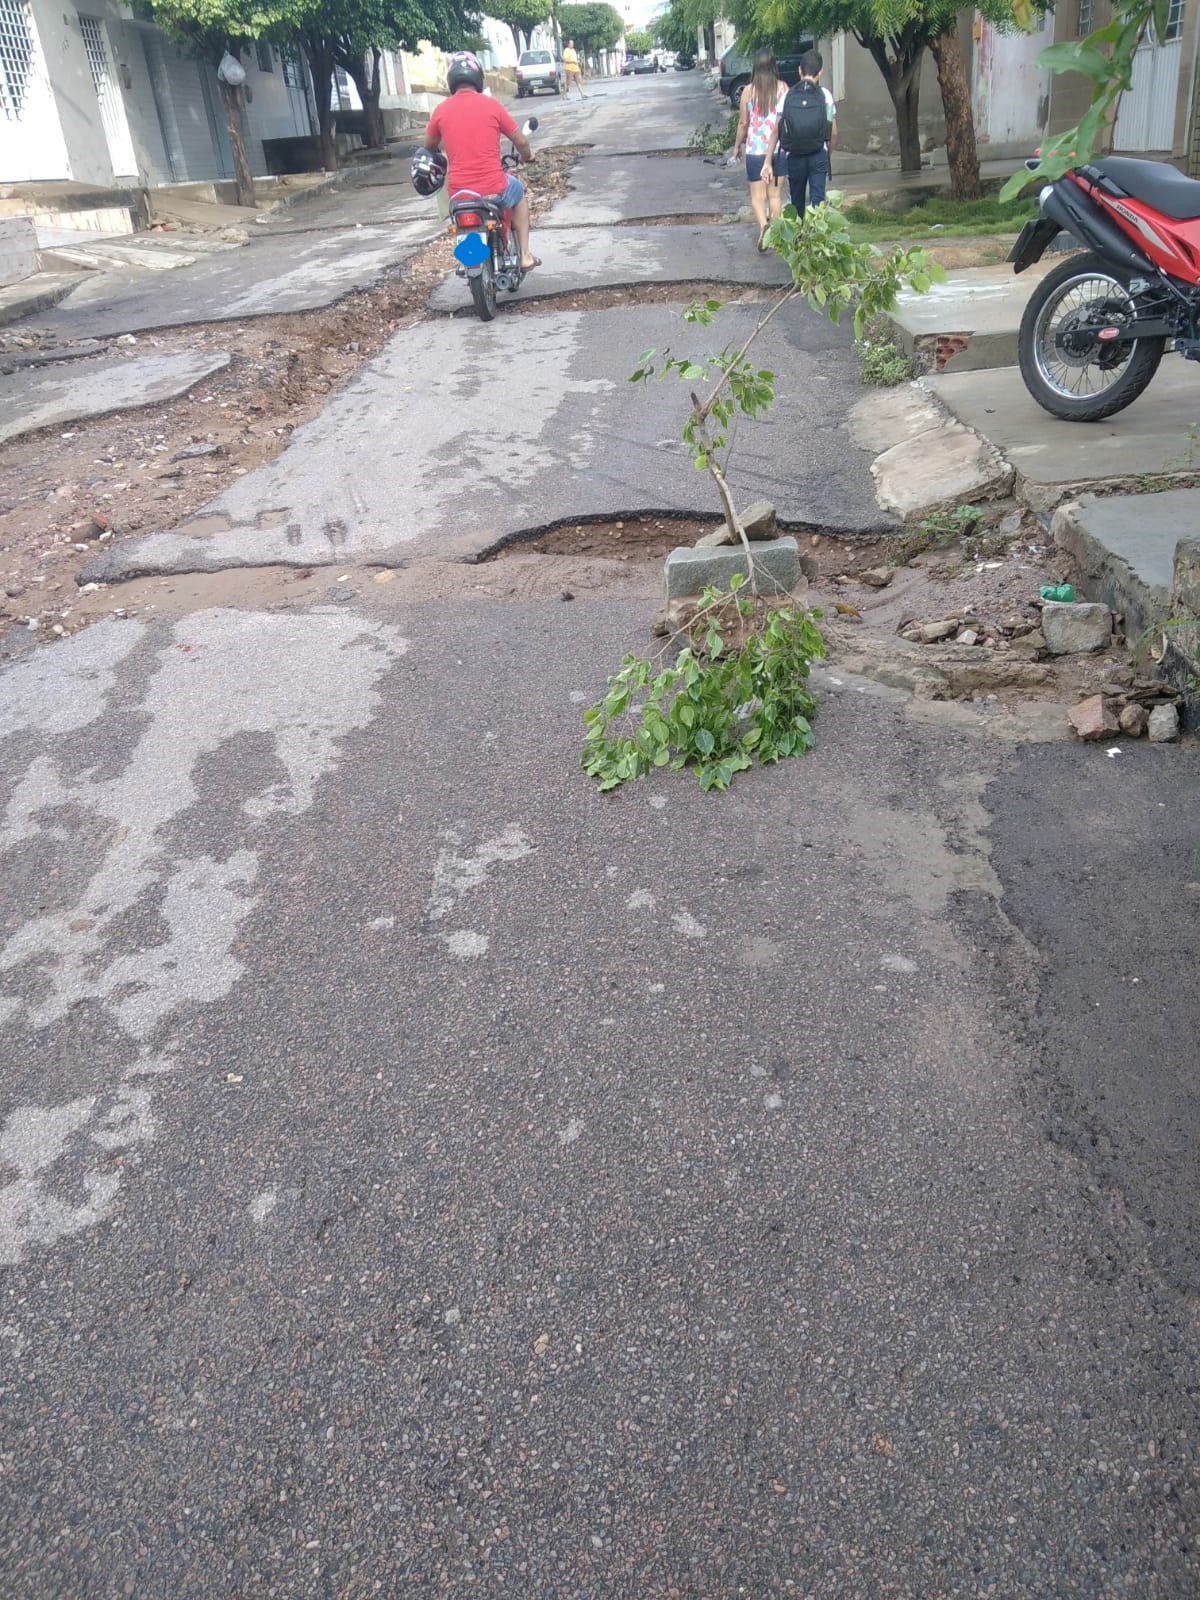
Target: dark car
pixel 684 61
pixel 735 69
pixel 639 64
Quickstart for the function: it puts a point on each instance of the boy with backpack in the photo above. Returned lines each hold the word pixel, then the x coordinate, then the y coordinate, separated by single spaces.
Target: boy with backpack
pixel 806 129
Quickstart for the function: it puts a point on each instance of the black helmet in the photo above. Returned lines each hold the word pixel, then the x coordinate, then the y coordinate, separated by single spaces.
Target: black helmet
pixel 428 171
pixel 464 68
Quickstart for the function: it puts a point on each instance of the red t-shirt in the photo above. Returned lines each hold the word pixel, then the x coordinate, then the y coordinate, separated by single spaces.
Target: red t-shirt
pixel 469 126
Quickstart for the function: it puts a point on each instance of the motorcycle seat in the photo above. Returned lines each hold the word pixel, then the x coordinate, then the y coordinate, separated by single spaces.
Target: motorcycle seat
pixel 477 202
pixel 1155 184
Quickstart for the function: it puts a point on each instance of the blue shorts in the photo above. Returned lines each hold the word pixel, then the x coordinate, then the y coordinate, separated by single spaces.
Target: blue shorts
pixel 754 166
pixel 514 193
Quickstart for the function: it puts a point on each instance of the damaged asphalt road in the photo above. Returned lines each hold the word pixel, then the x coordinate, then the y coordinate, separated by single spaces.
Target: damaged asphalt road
pixel 574 434
pixel 421 1174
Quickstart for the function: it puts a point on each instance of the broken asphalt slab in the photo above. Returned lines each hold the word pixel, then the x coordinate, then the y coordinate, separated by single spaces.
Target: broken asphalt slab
pixel 610 189
pixel 267 277
pixel 577 259
pixel 1055 460
pixel 923 458
pixel 454 472
pixel 32 400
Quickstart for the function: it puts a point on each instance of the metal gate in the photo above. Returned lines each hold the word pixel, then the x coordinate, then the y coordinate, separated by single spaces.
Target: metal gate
pixel 31 141
pixel 112 107
pixel 1146 116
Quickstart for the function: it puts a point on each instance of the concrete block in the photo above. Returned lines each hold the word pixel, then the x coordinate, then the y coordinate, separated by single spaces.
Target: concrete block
pixel 690 572
pixel 18 250
pixel 1071 627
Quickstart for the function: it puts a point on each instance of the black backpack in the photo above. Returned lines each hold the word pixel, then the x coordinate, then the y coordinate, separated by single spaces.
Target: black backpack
pixel 804 121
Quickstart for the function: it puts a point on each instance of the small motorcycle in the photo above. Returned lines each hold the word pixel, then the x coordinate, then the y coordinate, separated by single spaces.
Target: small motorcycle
pixel 1096 328
pixel 487 249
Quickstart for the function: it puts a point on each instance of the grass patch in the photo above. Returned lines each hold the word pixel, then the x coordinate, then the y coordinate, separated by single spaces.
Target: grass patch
pixel 884 363
pixel 938 219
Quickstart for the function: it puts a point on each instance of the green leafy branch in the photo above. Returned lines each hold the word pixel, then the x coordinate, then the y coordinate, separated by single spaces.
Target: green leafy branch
pixel 830 271
pixel 1105 56
pixel 736 694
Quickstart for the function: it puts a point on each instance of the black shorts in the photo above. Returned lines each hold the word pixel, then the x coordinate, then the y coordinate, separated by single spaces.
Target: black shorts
pixel 754 166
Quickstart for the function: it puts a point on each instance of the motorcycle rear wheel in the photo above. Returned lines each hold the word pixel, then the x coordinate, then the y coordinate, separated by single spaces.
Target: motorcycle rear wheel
pixel 483 291
pixel 1085 385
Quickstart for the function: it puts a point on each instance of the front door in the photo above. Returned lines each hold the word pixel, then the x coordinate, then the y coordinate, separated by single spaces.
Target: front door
pixel 31 141
pixel 1146 115
pixel 112 107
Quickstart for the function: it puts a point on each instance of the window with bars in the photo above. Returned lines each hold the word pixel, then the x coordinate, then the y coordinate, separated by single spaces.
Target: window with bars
pixel 289 61
pixel 1087 17
pixel 16 56
pixel 263 52
pixel 97 59
pixel 1174 29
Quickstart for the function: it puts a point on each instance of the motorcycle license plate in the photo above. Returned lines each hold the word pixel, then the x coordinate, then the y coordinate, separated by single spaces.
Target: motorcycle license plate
pixel 472 250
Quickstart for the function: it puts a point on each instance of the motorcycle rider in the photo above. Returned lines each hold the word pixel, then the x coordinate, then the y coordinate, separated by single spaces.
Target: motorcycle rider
pixel 468 126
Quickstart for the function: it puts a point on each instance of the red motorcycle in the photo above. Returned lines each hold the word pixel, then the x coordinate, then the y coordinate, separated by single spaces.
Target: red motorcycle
pixel 1096 328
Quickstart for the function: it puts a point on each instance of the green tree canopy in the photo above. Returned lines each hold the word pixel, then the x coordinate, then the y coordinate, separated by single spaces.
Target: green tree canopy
pixel 639 42
pixel 593 26
pixel 674 30
pixel 352 34
pixel 522 16
pixel 211 29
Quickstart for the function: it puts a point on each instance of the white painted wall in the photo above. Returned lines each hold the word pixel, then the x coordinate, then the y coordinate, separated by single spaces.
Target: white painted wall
pixel 31 145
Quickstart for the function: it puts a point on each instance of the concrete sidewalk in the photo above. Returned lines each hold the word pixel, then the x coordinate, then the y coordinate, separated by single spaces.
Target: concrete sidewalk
pixel 1134 550
pixel 971 321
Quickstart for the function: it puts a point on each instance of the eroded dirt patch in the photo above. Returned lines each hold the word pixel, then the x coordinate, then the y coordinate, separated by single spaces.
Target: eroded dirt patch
pixel 635 538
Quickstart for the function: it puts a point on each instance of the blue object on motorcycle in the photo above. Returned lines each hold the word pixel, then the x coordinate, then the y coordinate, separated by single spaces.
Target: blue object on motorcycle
pixel 472 250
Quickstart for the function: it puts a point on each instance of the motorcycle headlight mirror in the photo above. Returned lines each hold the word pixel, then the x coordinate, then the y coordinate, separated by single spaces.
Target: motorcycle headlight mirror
pixel 530 127
pixel 1045 194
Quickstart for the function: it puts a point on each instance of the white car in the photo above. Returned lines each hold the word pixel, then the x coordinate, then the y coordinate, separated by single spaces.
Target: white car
pixel 537 69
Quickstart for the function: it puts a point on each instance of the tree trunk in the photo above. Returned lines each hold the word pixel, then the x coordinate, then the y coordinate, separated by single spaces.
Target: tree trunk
pixel 961 151
pixel 516 33
pixel 231 101
pixel 367 82
pixel 321 63
pixel 907 101
pixel 902 74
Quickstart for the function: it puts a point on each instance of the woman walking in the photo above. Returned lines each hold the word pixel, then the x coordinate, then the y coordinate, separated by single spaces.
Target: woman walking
pixel 762 100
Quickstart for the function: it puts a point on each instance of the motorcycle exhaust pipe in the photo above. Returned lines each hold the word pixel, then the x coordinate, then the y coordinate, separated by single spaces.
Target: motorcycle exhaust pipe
pixel 1068 205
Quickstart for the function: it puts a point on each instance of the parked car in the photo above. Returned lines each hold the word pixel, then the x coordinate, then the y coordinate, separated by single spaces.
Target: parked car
pixel 735 70
pixel 639 64
pixel 684 61
pixel 537 69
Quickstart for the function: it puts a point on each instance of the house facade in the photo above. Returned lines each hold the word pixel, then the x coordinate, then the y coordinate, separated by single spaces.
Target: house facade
pixel 89 92
pixel 1019 104
pixel 93 94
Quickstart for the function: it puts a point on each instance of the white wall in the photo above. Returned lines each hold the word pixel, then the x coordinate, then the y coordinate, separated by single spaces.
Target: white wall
pixel 32 145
